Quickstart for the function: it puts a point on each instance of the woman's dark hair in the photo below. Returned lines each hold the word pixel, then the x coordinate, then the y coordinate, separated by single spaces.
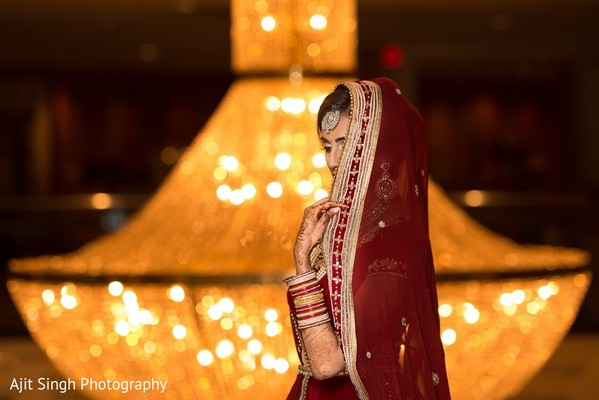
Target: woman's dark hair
pixel 338 99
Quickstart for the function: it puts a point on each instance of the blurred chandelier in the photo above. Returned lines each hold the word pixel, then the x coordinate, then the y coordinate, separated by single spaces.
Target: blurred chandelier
pixel 189 291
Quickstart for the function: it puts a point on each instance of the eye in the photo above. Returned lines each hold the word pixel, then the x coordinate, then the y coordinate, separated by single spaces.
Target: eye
pixel 327 149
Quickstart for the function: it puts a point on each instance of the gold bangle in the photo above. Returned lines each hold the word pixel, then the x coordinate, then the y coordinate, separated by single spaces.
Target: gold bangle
pixel 312 298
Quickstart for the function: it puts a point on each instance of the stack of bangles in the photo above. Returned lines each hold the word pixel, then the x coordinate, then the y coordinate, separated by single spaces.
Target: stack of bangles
pixel 308 299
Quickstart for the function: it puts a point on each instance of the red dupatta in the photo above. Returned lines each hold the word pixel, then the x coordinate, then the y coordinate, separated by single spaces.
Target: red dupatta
pixel 379 262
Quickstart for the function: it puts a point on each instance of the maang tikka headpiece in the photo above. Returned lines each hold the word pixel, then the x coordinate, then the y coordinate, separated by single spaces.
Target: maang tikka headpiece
pixel 330 119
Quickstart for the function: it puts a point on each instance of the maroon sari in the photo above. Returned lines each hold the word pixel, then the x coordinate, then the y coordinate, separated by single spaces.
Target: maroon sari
pixel 380 282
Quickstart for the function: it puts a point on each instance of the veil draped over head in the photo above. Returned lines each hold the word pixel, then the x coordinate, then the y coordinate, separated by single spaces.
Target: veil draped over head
pixel 378 255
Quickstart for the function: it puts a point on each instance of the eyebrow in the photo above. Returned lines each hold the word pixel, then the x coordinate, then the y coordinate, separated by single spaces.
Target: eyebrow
pixel 325 140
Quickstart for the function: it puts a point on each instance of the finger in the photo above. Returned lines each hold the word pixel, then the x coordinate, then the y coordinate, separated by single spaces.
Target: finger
pixel 318 210
pixel 320 225
pixel 337 204
pixel 316 205
pixel 321 201
pixel 328 214
pixel 329 205
pixel 322 208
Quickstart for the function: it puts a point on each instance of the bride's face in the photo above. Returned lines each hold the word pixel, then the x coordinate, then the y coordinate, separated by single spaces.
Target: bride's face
pixel 333 142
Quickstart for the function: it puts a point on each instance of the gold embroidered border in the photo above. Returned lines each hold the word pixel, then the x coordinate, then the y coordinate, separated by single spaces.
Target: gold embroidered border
pixel 355 165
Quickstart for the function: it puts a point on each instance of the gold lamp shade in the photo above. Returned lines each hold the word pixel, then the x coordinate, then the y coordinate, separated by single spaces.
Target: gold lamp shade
pixel 189 291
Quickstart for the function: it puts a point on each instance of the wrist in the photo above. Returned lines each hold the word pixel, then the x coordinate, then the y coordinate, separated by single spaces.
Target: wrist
pixel 308 307
pixel 302 263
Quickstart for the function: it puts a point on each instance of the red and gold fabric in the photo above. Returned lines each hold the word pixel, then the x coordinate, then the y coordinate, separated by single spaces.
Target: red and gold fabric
pixel 379 285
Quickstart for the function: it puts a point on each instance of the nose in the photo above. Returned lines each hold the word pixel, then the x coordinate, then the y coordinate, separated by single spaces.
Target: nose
pixel 332 158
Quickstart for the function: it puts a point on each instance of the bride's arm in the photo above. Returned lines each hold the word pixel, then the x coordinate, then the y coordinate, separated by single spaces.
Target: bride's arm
pixel 320 342
pixel 325 356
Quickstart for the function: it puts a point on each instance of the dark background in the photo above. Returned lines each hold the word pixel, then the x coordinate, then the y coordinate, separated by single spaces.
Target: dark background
pixel 102 96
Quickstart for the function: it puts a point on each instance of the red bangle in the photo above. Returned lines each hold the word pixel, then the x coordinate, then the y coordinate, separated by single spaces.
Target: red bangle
pixel 297 279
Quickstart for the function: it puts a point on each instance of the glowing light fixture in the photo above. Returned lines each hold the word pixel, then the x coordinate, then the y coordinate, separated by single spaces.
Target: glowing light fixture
pixel 320 36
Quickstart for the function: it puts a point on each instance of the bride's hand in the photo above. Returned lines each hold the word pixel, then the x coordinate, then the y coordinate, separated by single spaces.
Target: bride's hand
pixel 315 219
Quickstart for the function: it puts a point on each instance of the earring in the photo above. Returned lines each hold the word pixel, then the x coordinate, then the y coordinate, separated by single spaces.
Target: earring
pixel 330 120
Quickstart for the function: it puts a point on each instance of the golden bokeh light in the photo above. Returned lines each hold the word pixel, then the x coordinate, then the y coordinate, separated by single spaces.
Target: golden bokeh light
pixel 318 22
pixel 268 23
pixel 101 201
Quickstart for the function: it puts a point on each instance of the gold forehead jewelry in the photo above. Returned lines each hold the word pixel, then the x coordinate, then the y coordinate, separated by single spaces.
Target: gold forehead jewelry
pixel 330 120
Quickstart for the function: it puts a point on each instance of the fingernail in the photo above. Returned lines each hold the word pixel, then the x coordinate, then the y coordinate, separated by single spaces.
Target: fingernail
pixel 335 210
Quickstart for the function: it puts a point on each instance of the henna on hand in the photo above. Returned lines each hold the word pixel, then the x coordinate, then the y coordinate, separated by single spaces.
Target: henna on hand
pixel 303 244
pixel 315 219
